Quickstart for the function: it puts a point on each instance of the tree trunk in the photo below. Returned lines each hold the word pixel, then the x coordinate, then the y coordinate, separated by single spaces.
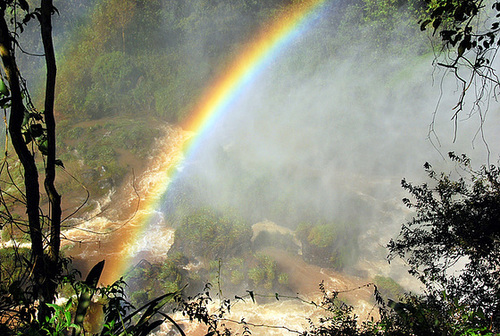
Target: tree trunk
pixel 32 194
pixel 46 264
pixel 54 197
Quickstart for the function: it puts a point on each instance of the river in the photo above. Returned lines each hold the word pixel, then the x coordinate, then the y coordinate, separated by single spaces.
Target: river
pixel 114 232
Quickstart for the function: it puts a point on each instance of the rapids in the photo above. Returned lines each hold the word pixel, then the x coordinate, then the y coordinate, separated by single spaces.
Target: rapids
pixel 113 232
pixel 310 137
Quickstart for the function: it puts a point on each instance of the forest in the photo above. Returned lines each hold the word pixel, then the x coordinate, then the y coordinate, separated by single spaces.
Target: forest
pixel 300 197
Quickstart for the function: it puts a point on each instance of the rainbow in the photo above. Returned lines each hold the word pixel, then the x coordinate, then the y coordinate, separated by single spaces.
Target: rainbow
pixel 264 48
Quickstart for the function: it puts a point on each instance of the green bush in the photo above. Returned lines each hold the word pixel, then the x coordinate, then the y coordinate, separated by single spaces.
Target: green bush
pixel 116 144
pixel 265 273
pixel 113 77
pixel 237 277
pixel 328 244
pixel 257 275
pixel 11 268
pixel 148 280
pixel 210 235
pixel 388 288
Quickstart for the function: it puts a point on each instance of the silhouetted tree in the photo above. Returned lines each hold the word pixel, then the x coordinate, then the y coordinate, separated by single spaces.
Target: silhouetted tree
pixel 453 243
pixel 32 132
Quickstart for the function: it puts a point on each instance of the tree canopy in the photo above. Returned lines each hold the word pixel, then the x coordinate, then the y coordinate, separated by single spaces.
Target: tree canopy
pixel 453 243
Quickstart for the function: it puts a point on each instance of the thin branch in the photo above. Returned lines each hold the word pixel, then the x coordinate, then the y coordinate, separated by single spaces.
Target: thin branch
pixel 243 322
pixel 123 224
pixel 83 203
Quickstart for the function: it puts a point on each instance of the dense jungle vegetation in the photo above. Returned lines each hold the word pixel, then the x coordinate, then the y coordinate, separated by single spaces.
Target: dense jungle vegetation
pixel 126 69
pixel 150 58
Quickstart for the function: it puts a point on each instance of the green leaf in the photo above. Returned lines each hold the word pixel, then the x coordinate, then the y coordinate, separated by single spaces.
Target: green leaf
pixel 43 146
pixel 3 88
pixel 26 119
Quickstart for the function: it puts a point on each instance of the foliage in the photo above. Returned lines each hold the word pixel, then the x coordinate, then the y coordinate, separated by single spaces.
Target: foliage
pixel 264 274
pixel 32 134
pixel 59 322
pixel 113 77
pixel 384 26
pixel 155 55
pixel 387 16
pixel 117 149
pixel 339 319
pixel 196 309
pixel 147 280
pixel 468 30
pixel 428 315
pixel 211 235
pixel 452 244
pixel 118 320
pixel 411 315
pixel 388 288
pixel 120 317
pixel 328 244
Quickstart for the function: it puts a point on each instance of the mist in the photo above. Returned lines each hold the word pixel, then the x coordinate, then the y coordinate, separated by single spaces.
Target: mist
pixel 319 139
pixel 324 133
pixel 327 135
pixel 286 202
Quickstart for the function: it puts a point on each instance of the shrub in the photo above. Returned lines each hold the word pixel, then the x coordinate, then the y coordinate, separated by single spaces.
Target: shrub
pixel 388 288
pixel 327 244
pixel 211 235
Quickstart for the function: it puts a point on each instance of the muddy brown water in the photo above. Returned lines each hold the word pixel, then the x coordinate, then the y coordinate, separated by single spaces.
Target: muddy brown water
pixel 108 235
